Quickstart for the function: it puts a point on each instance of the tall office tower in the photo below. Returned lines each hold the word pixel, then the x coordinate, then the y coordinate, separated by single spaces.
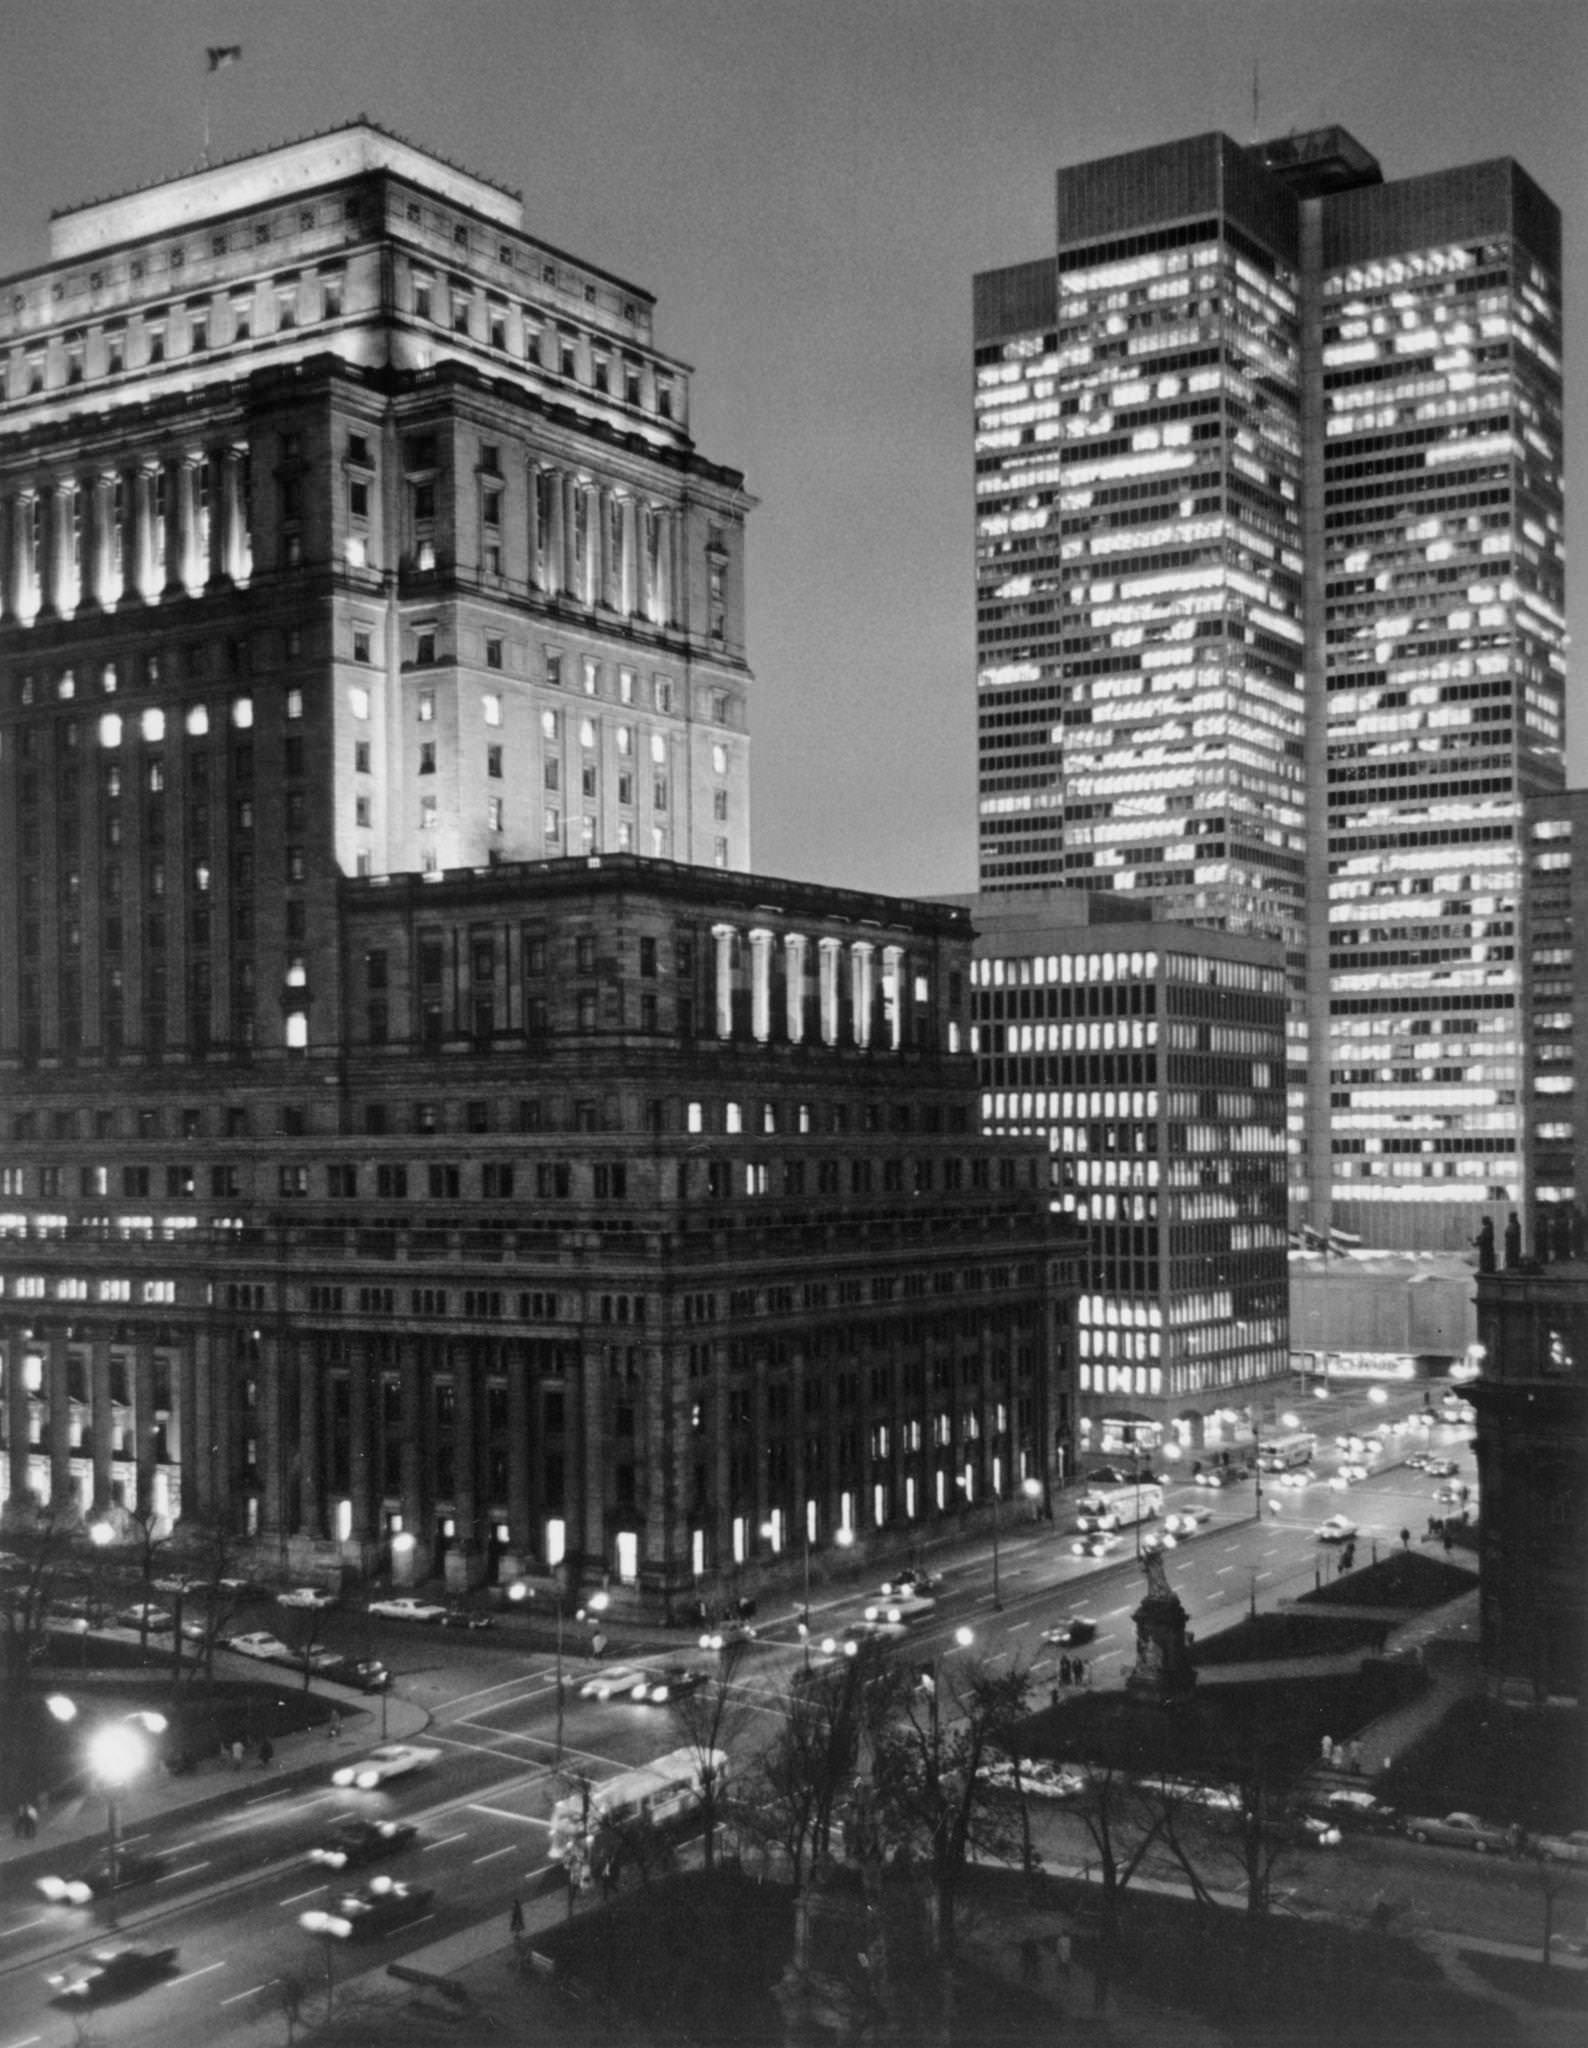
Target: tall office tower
pixel 1555 1021
pixel 1269 582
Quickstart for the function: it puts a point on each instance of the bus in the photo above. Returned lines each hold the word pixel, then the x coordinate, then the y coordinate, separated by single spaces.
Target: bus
pixel 1120 1507
pixel 663 1790
pixel 1285 1453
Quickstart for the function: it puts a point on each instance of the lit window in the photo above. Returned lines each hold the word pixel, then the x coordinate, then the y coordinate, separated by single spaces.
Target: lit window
pixel 494 813
pixel 719 760
pixel 548 724
pixel 491 704
pixel 294 704
pixel 625 686
pixel 110 730
pixel 242 712
pixel 592 674
pixel 198 720
pixel 152 726
pixel 586 733
pixel 297 1030
pixel 427 707
pixel 658 750
pixel 358 701
pixel 427 814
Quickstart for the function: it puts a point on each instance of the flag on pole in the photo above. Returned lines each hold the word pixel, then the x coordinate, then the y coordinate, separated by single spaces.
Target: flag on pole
pixel 222 54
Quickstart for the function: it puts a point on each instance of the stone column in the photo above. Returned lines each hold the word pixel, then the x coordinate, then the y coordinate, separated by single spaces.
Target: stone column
pixel 629 579
pixel 761 985
pixel 520 1476
pixel 358 1402
pixel 556 533
pixel 218 569
pixel 570 536
pixel 601 553
pixel 311 1478
pixel 221 1459
pixel 272 1449
pixel 234 536
pixel 466 1446
pixel 173 471
pixel 90 539
pixel 60 1420
pixel 587 1518
pixel 415 1493
pixel 18 1423
pixel 47 520
pixel 103 1417
pixel 723 937
pixel 186 1446
pixel 645 528
pixel 134 532
pixel 795 945
pixel 8 576
pixel 828 988
pixel 143 1423
pixel 861 990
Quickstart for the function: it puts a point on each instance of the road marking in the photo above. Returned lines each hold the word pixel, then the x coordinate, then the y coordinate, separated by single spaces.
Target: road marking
pixel 1223 1568
pixel 22 1926
pixel 423 1917
pixel 1019 1624
pixel 260 1798
pixel 188 1975
pixel 502 1813
pixel 187 1870
pixel 460 1836
pixel 176 1848
pixel 510 1849
pixel 27 2041
pixel 237 1997
pixel 309 1894
pixel 1114 1613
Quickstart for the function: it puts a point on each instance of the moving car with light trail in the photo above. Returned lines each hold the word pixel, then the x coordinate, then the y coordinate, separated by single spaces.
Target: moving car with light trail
pixel 354 1841
pixel 391 1760
pixel 132 1868
pixel 406 1608
pixel 617 1681
pixel 111 1974
pixel 1079 1628
pixel 384 1903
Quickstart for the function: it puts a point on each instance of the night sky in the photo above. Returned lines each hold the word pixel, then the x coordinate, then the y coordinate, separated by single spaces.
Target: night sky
pixel 808 188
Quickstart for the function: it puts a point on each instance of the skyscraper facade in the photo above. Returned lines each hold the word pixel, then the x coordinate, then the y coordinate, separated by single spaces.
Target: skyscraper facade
pixel 1270 622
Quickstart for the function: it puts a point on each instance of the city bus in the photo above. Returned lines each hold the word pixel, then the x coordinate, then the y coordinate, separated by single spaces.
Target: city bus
pixel 664 1790
pixel 1120 1507
pixel 1285 1453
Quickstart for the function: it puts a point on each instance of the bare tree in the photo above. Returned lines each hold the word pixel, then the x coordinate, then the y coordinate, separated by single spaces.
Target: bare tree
pixel 792 1795
pixel 28 1588
pixel 711 1721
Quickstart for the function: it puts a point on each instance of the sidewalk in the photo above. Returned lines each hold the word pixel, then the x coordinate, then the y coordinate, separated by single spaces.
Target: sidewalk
pixel 303 1758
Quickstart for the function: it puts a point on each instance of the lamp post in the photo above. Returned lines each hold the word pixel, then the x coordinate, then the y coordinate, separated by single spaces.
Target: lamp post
pixel 117 1753
pixel 331 1928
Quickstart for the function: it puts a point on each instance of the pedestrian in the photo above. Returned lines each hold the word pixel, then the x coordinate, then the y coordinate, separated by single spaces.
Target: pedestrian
pixel 1053 1695
pixel 515 1919
pixel 1406 1539
pixel 1327 1746
pixel 237 1754
pixel 1086 1672
pixel 1064 1671
pixel 19 1824
pixel 267 1754
pixel 1444 1537
pixel 1353 1758
pixel 30 1819
pixel 335 1729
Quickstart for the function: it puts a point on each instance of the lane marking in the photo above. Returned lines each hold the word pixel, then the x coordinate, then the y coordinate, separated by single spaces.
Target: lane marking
pixel 1019 1624
pixel 460 1836
pixel 309 1894
pixel 188 1975
pixel 22 1926
pixel 1223 1568
pixel 237 1997
pixel 187 1870
pixel 510 1849
pixel 529 1820
pixel 27 2041
pixel 176 1848
pixel 260 1798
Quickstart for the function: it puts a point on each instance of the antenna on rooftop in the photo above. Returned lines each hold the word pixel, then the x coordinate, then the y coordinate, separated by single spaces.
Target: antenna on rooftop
pixel 1256 103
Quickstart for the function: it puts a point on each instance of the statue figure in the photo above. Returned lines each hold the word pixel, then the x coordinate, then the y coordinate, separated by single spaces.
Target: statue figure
pixel 1485 1244
pixel 1513 1241
pixel 1157 1577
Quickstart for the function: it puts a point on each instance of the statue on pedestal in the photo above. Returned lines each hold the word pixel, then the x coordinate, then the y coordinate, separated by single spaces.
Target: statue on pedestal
pixel 1163 1671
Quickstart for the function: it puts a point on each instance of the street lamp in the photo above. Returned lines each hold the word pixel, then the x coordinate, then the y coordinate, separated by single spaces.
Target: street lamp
pixel 331 1928
pixel 117 1753
pixel 844 1537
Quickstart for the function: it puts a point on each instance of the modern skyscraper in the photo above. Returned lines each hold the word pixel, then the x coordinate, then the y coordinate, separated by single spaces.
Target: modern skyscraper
pixel 1269 575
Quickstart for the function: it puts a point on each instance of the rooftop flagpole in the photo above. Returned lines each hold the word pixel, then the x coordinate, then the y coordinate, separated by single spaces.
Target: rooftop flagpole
pixel 216 58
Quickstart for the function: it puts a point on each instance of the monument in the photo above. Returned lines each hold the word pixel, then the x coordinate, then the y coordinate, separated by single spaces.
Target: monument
pixel 1162 1673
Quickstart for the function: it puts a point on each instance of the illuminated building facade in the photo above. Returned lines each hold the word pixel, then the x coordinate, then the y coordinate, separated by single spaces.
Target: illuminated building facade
pixel 415 1117
pixel 1269 569
pixel 1149 1056
pixel 1555 965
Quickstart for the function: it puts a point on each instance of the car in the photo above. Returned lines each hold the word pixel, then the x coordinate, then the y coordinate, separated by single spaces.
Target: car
pixel 1351 1472
pixel 724 1634
pixel 615 1681
pixel 384 1903
pixel 306 1596
pixel 1337 1529
pixel 1349 1443
pixel 242 1590
pixel 1440 1468
pixel 1034 1776
pixel 94 1882
pixel 144 1615
pixel 366 1674
pixel 1109 1475
pixel 913 1579
pixel 1451 1496
pixel 1357 1812
pixel 110 1974
pixel 902 1613
pixel 472 1618
pixel 355 1841
pixel 1461 1831
pixel 177 1583
pixel 1079 1628
pixel 672 1682
pixel 859 1632
pixel 1299 1476
pixel 1102 1544
pixel 260 1643
pixel 1308 1831
pixel 1186 1521
pixel 1572 1848
pixel 1090 1522
pixel 390 1760
pixel 406 1608
pixel 1416 1461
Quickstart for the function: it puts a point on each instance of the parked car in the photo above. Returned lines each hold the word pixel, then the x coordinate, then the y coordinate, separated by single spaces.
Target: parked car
pixel 616 1681
pixel 903 1613
pixel 176 1582
pixel 110 1974
pixel 1356 1812
pixel 1337 1529
pixel 1440 1468
pixel 384 1903
pixel 1572 1848
pixel 260 1643
pixel 355 1841
pixel 1186 1521
pixel 1309 1831
pixel 1102 1544
pixel 406 1608
pixel 93 1882
pixel 1079 1628
pixel 144 1615
pixel 306 1596
pixel 672 1682
pixel 391 1760
pixel 1461 1831
pixel 1036 1777
pixel 471 1618
pixel 366 1674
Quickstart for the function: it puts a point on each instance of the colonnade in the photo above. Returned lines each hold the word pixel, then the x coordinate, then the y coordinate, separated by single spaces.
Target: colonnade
pixel 603 546
pixel 102 537
pixel 858 985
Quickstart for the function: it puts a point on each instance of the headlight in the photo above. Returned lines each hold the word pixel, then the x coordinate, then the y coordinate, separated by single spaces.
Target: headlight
pixel 367 1780
pixel 53 1888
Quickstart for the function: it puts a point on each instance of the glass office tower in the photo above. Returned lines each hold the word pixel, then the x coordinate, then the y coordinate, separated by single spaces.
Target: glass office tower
pixel 1269 614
